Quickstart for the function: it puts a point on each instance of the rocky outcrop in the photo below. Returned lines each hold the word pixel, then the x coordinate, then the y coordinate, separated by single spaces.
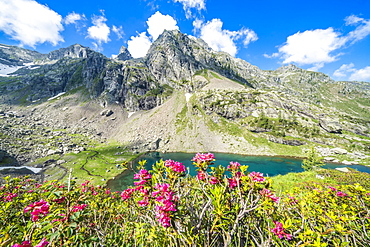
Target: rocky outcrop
pixel 285 141
pixel 73 51
pixel 124 54
pixel 331 126
pixel 16 56
pixel 289 103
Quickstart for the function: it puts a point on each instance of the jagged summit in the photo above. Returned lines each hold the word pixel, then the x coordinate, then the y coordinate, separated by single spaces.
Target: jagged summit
pixel 17 56
pixel 174 61
pixel 184 96
pixel 73 51
pixel 124 54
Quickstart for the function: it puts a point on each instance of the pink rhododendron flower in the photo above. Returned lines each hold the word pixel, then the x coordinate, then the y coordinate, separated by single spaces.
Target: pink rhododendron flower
pixel 201 175
pixel 214 180
pixel 126 194
pixel 292 200
pixel 279 231
pixel 43 243
pixel 233 166
pixel 232 183
pixel 235 181
pixel 59 200
pixel 341 194
pixel 144 202
pixel 23 244
pixel 85 183
pixel 40 207
pixel 256 176
pixel 165 199
pixel 143 175
pixel 63 218
pixel 163 218
pixel 9 196
pixel 269 194
pixel 79 207
pixel 332 188
pixel 200 157
pixel 175 166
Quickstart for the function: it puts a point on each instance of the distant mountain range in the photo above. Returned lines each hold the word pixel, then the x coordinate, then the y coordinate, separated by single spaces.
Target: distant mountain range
pixel 183 96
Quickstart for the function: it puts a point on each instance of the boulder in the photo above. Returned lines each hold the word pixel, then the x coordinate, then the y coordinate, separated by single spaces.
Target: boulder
pixel 339 151
pixel 331 126
pixel 285 141
pixel 106 112
pixel 342 169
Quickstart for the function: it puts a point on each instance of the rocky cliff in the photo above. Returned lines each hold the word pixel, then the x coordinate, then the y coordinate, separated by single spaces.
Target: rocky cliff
pixel 182 96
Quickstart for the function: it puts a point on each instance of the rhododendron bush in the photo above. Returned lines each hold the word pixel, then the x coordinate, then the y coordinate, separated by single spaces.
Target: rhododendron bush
pixel 220 206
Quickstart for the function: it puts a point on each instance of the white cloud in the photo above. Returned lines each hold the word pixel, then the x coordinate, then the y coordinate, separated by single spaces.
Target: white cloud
pixel 138 46
pixel 273 55
pixel 192 4
pixel 344 70
pixel 352 19
pixel 30 23
pixel 311 47
pixel 360 32
pixel 361 74
pixel 197 24
pixel 99 31
pixel 157 23
pixel 320 46
pixel 223 40
pixel 316 67
pixel 118 31
pixel 355 74
pixel 73 17
pixel 250 36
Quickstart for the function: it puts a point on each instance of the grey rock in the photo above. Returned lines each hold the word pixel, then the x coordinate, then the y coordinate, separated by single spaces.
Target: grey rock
pixel 106 112
pixel 124 54
pixel 286 142
pixel 331 126
pixel 339 151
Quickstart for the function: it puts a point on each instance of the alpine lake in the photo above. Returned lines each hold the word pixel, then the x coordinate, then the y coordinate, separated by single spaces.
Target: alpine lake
pixel 268 165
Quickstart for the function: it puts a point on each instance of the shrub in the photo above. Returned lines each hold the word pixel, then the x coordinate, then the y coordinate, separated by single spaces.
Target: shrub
pixel 165 207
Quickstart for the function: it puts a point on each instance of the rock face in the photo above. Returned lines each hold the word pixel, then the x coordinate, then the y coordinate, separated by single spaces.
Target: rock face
pixel 288 106
pixel 16 56
pixel 124 54
pixel 331 126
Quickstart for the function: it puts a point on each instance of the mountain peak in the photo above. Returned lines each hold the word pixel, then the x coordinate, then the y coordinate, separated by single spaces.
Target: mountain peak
pixel 73 51
pixel 124 54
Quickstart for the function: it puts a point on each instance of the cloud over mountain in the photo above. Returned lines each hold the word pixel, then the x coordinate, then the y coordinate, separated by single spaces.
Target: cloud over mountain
pixel 30 23
pixel 320 46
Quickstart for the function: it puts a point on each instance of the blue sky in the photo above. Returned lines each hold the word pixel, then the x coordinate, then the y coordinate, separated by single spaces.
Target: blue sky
pixel 326 36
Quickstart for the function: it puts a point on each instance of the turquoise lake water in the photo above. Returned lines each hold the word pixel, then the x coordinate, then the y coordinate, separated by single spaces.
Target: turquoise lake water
pixel 269 166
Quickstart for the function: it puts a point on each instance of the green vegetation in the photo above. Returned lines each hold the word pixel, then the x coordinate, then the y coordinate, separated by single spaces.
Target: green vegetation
pixel 160 90
pixel 97 164
pixel 279 126
pixel 165 207
pixel 313 160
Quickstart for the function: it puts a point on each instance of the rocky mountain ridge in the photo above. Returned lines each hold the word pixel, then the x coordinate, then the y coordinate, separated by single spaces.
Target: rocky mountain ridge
pixel 182 96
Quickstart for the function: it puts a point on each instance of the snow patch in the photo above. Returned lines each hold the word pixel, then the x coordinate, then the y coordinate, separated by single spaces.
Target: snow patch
pixel 33 169
pixel 56 96
pixel 1 46
pixel 188 96
pixel 5 70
